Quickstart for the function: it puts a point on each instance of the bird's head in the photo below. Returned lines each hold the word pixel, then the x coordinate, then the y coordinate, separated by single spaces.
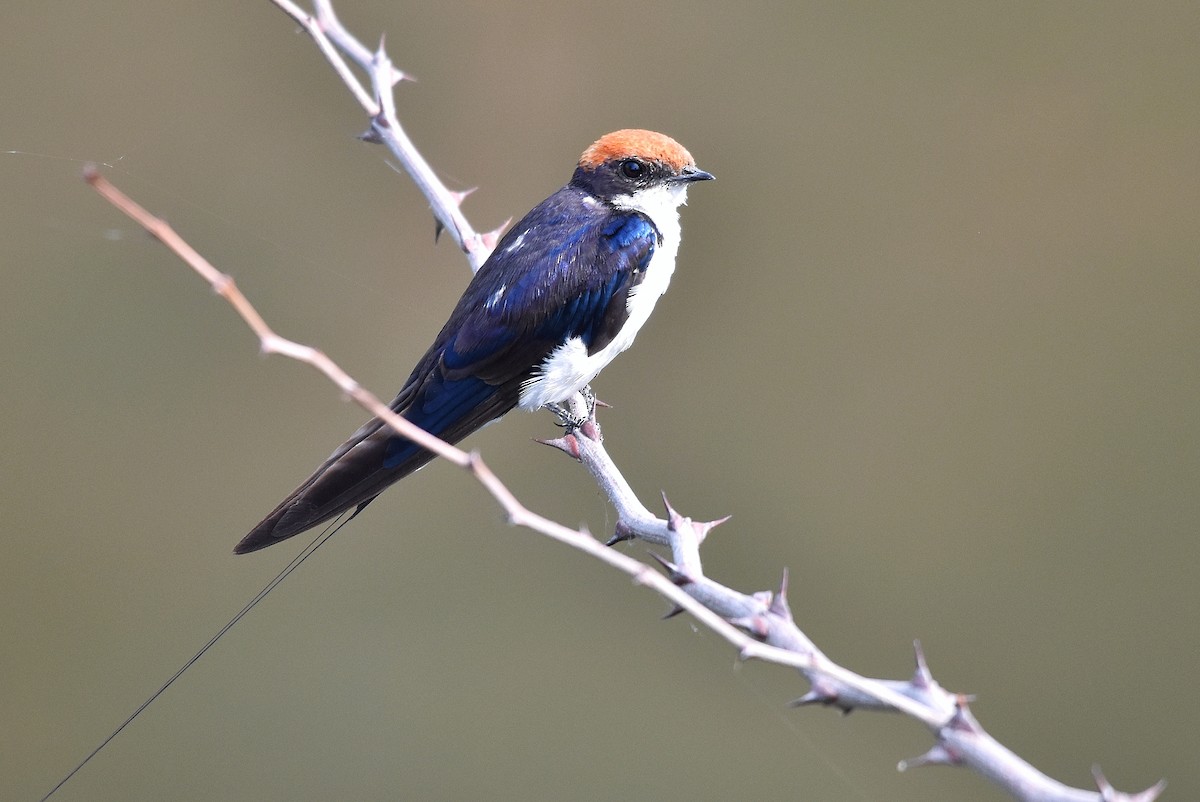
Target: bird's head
pixel 631 166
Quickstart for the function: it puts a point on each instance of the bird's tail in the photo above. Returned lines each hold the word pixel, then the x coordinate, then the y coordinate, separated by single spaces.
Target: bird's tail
pixel 358 471
pixel 375 456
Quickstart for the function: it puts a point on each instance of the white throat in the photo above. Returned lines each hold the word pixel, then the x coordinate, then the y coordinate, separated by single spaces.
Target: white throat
pixel 569 367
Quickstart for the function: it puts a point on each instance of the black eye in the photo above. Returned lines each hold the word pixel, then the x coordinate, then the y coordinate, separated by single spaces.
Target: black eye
pixel 633 169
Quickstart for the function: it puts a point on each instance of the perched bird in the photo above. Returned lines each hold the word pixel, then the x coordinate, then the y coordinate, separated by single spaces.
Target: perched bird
pixel 566 289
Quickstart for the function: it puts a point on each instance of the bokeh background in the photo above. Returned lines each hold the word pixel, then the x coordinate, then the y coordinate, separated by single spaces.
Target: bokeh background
pixel 932 342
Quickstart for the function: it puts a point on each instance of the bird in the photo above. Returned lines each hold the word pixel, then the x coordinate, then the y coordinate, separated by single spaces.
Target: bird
pixel 565 290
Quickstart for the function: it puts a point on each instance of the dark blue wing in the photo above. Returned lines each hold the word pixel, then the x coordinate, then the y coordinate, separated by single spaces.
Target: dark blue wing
pixel 563 271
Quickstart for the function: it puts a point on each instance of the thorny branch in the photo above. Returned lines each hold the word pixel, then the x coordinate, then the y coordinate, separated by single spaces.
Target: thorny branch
pixel 760 625
pixel 379 103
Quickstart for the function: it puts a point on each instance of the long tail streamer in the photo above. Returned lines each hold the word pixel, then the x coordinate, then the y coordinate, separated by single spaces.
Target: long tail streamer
pixel 250 605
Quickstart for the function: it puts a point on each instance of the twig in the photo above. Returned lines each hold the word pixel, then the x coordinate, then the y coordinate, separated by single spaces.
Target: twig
pixel 337 45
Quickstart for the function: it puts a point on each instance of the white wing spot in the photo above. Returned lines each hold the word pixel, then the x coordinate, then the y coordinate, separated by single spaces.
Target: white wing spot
pixel 517 243
pixel 496 298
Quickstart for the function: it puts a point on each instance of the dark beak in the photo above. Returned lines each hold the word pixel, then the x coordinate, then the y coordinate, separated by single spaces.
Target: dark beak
pixel 689 174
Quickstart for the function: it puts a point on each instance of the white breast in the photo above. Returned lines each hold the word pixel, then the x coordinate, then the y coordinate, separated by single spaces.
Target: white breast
pixel 569 367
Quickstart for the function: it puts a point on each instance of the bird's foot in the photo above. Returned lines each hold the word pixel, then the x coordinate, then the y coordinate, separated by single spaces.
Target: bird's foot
pixel 566 417
pixel 568 414
pixel 589 398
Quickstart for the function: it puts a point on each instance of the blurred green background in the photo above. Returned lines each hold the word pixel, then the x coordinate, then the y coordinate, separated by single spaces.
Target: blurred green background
pixel 932 342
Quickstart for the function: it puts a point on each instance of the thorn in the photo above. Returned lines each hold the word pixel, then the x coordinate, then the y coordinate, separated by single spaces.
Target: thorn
pixel 667 503
pixel 591 429
pixel 663 561
pixel 702 529
pixel 674 519
pixel 922 676
pixel 810 698
pixel 459 197
pixel 822 693
pixel 753 625
pixel 492 237
pixel 938 755
pixel 566 444
pixel 602 404
pixel 621 533
pixel 1152 793
pixel 779 604
pixel 674 611
pixel 1102 782
pixel 963 720
pixel 438 228
pixel 371 136
pixel 1110 794
pixel 677 577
